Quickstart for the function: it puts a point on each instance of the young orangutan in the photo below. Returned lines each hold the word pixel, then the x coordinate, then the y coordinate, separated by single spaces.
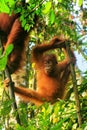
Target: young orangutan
pixel 52 76
pixel 11 32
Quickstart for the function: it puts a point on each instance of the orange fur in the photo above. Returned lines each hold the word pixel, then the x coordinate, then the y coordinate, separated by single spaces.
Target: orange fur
pixel 52 77
pixel 11 32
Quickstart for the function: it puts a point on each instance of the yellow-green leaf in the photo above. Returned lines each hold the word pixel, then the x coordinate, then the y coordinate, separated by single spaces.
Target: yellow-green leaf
pixel 47 7
pixel 80 2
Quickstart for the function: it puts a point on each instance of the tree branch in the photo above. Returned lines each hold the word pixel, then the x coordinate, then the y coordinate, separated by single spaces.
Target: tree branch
pixel 11 93
pixel 11 89
pixel 75 88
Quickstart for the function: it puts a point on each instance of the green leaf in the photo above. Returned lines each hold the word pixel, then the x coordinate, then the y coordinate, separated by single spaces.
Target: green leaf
pixel 47 8
pixel 9 49
pixel 80 2
pixel 4 58
pixel 52 17
pixel 4 7
pixel 60 1
pixel 27 27
pixel 23 22
pixel 11 3
pixel 3 62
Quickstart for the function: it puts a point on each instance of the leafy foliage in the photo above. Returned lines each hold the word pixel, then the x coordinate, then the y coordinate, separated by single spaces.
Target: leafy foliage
pixel 61 115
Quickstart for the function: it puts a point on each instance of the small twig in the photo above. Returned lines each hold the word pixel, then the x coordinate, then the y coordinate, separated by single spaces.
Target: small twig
pixel 75 88
pixel 11 92
pixel 4 92
pixel 37 6
pixel 81 51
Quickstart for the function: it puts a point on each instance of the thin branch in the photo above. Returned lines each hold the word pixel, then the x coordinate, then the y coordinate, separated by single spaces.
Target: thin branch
pixel 75 88
pixel 37 6
pixel 11 92
pixel 34 8
pixel 11 89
